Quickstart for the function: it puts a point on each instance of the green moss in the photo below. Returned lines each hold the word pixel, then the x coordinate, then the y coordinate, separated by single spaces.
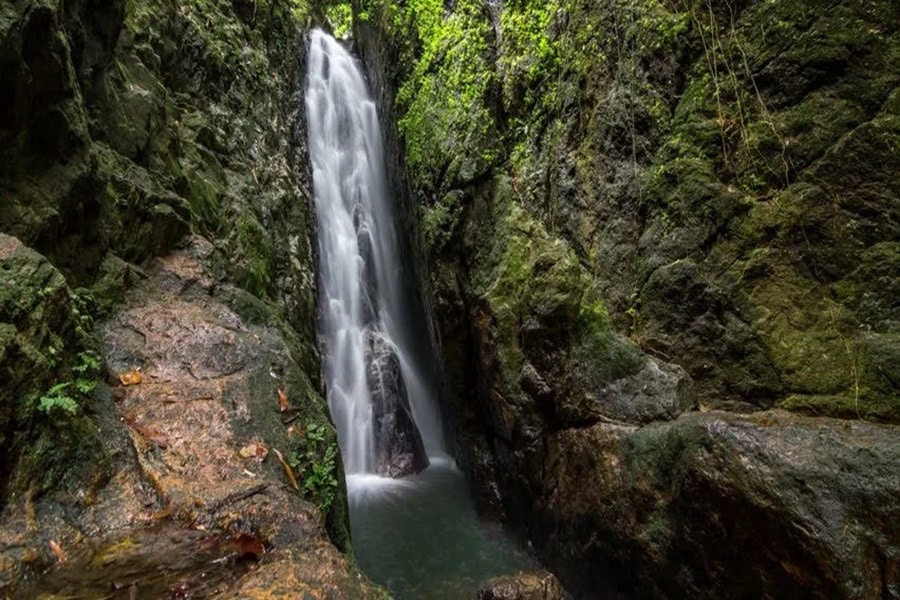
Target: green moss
pixel 756 140
pixel 254 258
pixel 847 406
pixel 537 290
pixel 811 337
pixel 203 185
pixel 64 454
pixel 215 30
pixel 439 222
pixel 528 54
pixel 445 119
pixel 537 275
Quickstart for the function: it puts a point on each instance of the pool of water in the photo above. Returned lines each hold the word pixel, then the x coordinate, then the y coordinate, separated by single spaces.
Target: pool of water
pixel 421 538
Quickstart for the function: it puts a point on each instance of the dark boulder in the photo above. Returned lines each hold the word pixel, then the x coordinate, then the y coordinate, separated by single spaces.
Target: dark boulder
pixel 399 450
pixel 46 440
pixel 716 505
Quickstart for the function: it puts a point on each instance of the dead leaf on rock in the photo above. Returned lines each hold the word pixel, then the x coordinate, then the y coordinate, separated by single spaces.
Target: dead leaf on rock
pixel 248 546
pixel 58 552
pixel 162 514
pixel 282 400
pixel 255 450
pixel 287 469
pixel 130 377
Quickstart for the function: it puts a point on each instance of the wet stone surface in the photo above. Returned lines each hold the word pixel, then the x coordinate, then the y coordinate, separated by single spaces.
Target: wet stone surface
pixel 186 514
pixel 527 585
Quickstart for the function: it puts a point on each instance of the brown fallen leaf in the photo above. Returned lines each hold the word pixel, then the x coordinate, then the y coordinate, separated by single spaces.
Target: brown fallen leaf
pixel 287 469
pixel 162 514
pixel 248 546
pixel 58 552
pixel 254 450
pixel 130 377
pixel 282 400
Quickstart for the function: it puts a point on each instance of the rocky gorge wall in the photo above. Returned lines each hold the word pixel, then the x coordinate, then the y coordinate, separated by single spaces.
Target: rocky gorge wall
pixel 156 215
pixel 635 209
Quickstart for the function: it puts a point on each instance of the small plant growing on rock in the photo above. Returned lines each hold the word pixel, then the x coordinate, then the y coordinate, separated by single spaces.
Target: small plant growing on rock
pixel 56 398
pixel 64 396
pixel 315 461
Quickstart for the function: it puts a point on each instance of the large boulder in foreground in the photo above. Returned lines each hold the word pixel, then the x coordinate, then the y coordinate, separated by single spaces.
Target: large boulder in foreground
pixel 716 505
pixel 205 418
pixel 399 450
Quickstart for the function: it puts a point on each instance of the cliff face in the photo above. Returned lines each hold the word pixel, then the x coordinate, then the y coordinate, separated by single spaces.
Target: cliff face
pixel 154 182
pixel 723 173
pixel 634 208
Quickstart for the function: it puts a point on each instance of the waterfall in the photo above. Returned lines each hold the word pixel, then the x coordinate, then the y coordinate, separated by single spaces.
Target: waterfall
pixel 380 400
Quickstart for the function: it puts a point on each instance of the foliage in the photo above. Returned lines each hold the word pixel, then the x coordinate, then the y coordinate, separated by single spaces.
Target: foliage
pixel 439 221
pixel 340 16
pixel 444 114
pixel 316 462
pixel 56 398
pixel 530 59
pixel 82 304
pixel 67 396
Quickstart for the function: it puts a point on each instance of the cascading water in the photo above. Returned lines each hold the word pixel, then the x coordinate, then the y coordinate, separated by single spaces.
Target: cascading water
pixel 414 531
pixel 379 399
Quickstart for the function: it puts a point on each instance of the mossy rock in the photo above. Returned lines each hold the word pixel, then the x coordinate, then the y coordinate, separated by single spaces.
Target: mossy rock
pixel 42 330
pixel 533 283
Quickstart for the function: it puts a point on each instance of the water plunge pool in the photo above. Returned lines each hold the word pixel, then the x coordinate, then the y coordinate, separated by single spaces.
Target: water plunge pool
pixel 421 538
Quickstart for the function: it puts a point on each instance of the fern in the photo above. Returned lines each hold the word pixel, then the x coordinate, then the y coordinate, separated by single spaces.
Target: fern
pixel 56 398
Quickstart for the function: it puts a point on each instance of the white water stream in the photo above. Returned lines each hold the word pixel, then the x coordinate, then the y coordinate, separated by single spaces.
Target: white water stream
pixel 419 536
pixel 361 273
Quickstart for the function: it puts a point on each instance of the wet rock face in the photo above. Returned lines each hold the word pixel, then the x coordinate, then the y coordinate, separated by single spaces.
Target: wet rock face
pixel 199 494
pixel 771 505
pixel 399 450
pixel 41 336
pixel 126 126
